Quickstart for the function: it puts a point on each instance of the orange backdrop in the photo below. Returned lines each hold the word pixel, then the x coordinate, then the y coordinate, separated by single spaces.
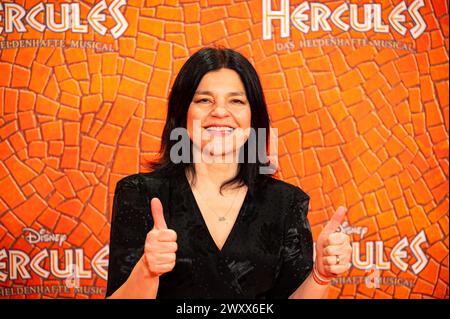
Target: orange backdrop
pixel 360 126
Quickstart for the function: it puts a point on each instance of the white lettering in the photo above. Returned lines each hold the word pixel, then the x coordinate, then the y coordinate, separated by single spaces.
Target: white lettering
pixel 31 17
pixel 54 264
pixel 80 272
pixel 94 17
pixel 347 229
pixel 364 26
pixel 422 260
pixel 319 16
pixel 77 27
pixel 269 15
pixel 396 19
pixel 378 25
pixel 336 17
pixel 356 258
pixel 13 15
pixel 37 259
pixel 315 17
pixel 16 18
pixel 379 258
pixel 398 254
pixel 420 26
pixel 17 262
pixel 64 20
pixel 122 23
pixel 43 236
pixel 3 255
pixel 298 16
pixel 100 262
pixel 49 262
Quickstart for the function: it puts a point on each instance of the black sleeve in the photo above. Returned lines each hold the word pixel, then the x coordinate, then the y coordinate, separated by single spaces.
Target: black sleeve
pixel 131 221
pixel 297 250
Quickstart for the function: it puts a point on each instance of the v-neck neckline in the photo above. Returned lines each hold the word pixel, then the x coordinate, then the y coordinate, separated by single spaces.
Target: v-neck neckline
pixel 203 222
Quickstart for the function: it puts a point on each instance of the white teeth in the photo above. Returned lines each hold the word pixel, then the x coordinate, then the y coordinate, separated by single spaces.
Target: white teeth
pixel 220 128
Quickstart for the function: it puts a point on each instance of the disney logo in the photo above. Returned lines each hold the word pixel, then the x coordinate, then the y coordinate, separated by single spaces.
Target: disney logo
pixel 43 236
pixel 347 229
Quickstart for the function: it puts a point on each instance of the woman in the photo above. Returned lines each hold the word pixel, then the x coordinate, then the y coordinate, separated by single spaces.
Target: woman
pixel 205 227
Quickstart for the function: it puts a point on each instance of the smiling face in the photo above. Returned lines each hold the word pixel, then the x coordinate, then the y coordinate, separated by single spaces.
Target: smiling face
pixel 222 112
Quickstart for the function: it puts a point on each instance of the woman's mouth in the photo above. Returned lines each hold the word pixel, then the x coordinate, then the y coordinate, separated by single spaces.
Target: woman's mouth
pixel 219 130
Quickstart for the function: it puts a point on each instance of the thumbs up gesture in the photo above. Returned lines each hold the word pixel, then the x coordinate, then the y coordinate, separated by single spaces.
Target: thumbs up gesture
pixel 333 249
pixel 160 244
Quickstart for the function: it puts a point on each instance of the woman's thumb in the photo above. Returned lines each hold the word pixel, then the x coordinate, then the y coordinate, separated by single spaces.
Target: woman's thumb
pixel 157 214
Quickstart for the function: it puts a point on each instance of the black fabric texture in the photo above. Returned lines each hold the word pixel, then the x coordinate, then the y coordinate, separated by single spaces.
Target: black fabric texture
pixel 267 255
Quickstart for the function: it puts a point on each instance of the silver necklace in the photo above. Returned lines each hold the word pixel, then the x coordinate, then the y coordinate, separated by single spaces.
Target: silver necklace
pixel 220 218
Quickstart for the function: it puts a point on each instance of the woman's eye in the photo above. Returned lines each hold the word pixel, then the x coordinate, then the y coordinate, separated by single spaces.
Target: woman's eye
pixel 238 101
pixel 202 101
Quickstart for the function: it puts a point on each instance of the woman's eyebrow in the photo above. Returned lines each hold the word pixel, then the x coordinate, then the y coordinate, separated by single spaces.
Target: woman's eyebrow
pixel 236 93
pixel 204 92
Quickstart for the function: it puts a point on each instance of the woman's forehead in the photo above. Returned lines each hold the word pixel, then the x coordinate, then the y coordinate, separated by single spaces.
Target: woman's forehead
pixel 221 80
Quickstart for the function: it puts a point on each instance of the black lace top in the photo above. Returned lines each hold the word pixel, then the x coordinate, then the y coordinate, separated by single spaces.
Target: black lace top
pixel 268 253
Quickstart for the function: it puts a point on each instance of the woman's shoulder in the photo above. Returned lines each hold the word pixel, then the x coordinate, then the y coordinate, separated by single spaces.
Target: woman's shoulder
pixel 275 185
pixel 142 180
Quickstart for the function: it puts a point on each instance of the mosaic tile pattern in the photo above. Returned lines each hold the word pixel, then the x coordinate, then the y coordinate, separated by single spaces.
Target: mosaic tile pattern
pixel 361 127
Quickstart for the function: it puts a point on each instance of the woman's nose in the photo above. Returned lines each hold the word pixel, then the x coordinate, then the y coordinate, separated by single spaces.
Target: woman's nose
pixel 219 109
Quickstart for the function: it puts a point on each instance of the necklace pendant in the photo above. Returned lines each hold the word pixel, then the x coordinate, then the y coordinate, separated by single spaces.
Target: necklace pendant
pixel 221 219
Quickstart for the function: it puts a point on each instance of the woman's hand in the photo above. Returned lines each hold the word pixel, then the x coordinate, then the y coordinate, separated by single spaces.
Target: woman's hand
pixel 160 244
pixel 333 249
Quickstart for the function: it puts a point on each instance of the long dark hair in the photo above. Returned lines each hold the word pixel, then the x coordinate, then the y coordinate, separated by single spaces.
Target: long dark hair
pixel 180 98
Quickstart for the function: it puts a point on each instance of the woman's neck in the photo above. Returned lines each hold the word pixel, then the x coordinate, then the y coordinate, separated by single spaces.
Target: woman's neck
pixel 213 175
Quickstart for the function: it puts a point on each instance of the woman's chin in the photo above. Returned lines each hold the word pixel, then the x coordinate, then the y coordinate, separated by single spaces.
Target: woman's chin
pixel 219 156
